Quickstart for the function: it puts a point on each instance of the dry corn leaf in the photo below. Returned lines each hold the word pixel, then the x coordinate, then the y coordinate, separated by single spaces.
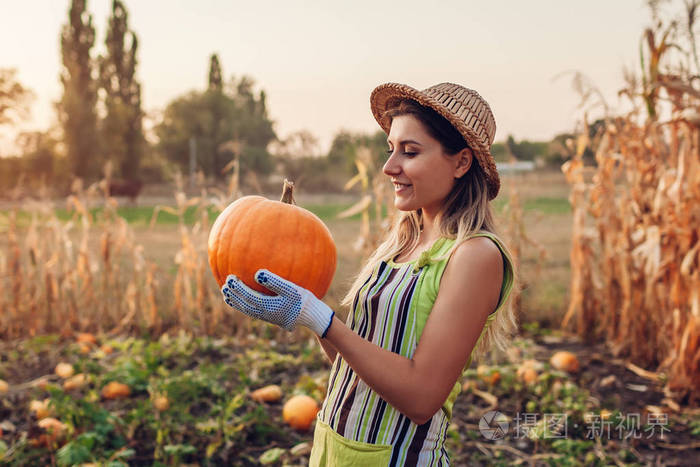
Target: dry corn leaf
pixel 356 208
pixel 488 397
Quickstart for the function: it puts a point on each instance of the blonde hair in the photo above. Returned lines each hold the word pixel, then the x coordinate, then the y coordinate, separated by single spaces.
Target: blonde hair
pixel 466 211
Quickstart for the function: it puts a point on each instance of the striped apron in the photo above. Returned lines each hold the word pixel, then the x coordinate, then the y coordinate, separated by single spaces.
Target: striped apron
pixel 383 315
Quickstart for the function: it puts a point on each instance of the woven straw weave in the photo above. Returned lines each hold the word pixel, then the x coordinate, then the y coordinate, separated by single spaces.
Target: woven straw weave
pixel 464 108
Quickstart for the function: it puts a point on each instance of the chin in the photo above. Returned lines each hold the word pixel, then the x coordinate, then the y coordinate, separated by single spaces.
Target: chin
pixel 402 205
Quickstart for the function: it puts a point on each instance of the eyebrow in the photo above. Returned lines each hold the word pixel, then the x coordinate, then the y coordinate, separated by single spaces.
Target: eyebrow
pixel 406 141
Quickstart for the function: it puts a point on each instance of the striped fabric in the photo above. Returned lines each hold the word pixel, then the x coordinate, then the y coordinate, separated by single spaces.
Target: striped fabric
pixel 383 314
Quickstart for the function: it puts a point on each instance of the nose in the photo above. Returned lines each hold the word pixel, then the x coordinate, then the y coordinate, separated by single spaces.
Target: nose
pixel 391 166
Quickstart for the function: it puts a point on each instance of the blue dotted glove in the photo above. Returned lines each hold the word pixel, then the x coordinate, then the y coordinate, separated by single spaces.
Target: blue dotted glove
pixel 291 306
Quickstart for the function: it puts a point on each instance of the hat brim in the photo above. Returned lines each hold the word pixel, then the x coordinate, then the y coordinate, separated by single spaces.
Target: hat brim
pixel 385 96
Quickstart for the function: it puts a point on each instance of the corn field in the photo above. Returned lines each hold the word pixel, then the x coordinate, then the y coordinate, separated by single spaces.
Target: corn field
pixel 90 273
pixel 635 256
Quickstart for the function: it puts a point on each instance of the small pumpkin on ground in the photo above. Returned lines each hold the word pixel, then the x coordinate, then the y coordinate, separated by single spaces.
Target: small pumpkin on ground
pixel 116 390
pixel 527 371
pixel 299 412
pixel 86 338
pixel 54 431
pixel 565 361
pixel 526 374
pixel 64 370
pixel 161 402
pixel 40 408
pixel 75 382
pixel 271 393
pixel 488 375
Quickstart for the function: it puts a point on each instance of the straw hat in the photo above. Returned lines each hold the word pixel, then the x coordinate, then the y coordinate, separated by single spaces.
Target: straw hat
pixel 464 108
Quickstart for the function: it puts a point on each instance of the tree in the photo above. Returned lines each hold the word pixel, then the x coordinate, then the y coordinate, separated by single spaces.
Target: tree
pixel 13 97
pixel 77 112
pixel 122 128
pixel 499 152
pixel 560 149
pixel 344 148
pixel 526 150
pixel 215 80
pixel 39 156
pixel 297 159
pixel 212 119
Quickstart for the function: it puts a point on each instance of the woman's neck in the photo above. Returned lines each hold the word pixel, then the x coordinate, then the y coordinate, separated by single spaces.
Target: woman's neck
pixel 430 232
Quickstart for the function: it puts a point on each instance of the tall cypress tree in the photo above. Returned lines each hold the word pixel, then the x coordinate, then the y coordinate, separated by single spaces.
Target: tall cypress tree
pixel 122 127
pixel 77 106
pixel 215 80
pixel 218 103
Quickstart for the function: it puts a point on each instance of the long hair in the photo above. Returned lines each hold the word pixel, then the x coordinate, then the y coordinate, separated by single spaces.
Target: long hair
pixel 466 211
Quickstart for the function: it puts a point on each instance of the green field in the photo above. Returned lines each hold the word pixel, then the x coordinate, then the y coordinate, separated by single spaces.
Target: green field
pixel 143 215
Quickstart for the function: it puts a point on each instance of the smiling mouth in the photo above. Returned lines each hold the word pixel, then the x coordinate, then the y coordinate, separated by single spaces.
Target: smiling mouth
pixel 400 186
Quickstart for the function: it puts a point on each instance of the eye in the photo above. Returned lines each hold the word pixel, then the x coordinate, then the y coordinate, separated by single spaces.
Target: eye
pixel 410 153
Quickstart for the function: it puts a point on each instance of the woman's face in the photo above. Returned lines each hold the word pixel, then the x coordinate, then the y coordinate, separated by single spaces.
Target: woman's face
pixel 422 173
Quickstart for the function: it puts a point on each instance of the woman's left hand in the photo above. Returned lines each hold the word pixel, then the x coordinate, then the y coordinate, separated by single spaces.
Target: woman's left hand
pixel 292 304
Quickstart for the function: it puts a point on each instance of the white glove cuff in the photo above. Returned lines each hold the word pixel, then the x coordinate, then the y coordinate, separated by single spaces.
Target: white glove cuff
pixel 316 316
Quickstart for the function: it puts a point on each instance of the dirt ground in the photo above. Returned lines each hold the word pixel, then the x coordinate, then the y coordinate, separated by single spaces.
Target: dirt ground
pixel 615 386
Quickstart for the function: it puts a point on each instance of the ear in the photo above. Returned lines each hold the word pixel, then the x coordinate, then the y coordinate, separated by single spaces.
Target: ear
pixel 464 162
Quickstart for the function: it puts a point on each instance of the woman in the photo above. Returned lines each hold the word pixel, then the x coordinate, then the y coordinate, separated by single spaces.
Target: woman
pixel 432 295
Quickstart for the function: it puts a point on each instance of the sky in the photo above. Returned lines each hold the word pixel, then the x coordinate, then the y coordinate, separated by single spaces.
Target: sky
pixel 318 61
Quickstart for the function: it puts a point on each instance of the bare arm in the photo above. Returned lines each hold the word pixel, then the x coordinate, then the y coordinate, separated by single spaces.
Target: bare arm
pixel 330 351
pixel 417 387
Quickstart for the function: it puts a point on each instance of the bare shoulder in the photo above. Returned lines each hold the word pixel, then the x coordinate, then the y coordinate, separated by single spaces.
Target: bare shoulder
pixel 478 252
pixel 475 270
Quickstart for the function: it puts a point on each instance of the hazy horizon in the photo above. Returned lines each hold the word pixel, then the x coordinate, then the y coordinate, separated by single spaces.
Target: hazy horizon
pixel 318 61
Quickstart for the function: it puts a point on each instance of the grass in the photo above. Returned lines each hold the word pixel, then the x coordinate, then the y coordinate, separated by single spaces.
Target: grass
pixel 543 205
pixel 142 215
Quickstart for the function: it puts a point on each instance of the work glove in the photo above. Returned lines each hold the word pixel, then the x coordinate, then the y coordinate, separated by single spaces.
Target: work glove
pixel 291 306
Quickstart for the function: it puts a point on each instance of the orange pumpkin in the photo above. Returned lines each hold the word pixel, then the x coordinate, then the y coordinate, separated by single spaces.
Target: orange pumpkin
pixel 86 338
pixel 564 360
pixel 161 402
pixel 256 233
pixel 299 412
pixel 116 390
pixel 271 393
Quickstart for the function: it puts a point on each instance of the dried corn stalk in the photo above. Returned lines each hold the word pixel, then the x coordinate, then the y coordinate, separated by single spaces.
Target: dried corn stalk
pixel 375 197
pixel 635 270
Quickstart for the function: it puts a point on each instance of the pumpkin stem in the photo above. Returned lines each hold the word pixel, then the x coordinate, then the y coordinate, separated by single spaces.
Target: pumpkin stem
pixel 287 192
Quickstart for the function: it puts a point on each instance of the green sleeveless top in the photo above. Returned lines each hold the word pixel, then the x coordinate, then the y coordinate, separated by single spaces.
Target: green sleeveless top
pixel 435 257
pixel 355 425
